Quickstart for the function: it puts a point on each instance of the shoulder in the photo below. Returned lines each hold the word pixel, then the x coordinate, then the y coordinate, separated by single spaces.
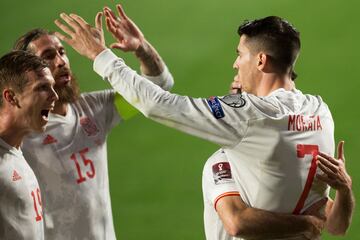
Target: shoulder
pixel 95 101
pixel 218 157
pixel 95 95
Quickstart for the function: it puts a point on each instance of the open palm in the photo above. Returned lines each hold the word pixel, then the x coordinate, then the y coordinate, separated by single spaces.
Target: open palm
pixel 123 29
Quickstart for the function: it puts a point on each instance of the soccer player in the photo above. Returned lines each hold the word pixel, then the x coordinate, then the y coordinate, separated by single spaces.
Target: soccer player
pixel 276 224
pixel 271 133
pixel 70 157
pixel 226 215
pixel 27 96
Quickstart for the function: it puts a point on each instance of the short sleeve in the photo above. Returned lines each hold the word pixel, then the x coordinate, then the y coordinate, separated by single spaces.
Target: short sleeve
pixel 102 106
pixel 217 180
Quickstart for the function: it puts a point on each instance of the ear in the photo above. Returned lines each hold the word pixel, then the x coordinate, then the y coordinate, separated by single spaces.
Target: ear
pixel 9 96
pixel 262 61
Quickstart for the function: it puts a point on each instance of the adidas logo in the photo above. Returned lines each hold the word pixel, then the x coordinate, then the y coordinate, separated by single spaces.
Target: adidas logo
pixel 49 140
pixel 16 176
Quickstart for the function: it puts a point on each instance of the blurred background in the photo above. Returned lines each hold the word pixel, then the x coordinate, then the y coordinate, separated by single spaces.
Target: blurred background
pixel 155 172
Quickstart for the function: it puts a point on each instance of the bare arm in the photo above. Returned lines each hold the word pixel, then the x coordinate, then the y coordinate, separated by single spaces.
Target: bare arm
pixel 339 215
pixel 251 223
pixel 130 38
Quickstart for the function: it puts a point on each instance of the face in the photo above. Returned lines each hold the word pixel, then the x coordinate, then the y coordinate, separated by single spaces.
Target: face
pixel 246 67
pixel 49 48
pixel 37 100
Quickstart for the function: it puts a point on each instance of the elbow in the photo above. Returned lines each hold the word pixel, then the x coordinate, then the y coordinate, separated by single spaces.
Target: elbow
pixel 337 233
pixel 338 230
pixel 168 84
pixel 235 227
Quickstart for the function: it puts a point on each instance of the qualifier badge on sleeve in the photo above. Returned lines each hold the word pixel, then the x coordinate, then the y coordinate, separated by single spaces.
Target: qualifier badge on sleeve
pixel 222 173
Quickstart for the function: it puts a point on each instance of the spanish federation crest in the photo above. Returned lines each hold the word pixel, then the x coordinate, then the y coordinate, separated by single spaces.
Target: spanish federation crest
pixel 233 100
pixel 89 126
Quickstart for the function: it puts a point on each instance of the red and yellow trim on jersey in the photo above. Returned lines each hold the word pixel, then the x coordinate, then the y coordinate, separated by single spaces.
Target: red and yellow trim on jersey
pixel 233 193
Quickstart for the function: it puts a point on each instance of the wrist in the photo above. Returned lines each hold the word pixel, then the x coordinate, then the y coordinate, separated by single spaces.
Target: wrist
pixel 96 52
pixel 314 227
pixel 142 50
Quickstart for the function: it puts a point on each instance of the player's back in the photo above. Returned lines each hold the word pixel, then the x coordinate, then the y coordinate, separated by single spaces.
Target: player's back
pixel 274 163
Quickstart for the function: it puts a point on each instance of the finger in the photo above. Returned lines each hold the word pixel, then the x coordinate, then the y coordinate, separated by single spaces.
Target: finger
pixel 328 158
pixel 69 20
pixel 113 20
pixel 63 38
pixel 63 27
pixel 80 20
pixel 117 46
pixel 324 178
pixel 325 162
pixel 121 12
pixel 110 26
pixel 340 151
pixel 109 13
pixel 113 30
pixel 326 170
pixel 98 21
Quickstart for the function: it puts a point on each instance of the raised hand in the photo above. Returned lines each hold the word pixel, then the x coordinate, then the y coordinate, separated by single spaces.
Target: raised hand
pixel 123 29
pixel 85 39
pixel 334 170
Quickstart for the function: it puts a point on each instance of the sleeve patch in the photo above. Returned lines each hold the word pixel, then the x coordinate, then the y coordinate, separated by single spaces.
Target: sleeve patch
pixel 215 107
pixel 234 100
pixel 222 173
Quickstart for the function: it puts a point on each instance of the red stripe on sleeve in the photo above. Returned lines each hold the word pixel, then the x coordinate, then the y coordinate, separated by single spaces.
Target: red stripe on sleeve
pixel 225 195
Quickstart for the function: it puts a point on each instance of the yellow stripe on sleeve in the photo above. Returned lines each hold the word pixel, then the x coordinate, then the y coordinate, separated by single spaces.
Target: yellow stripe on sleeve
pixel 124 109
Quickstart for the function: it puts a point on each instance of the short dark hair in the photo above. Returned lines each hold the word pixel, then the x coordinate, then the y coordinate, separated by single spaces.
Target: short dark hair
pixel 23 42
pixel 277 38
pixel 13 68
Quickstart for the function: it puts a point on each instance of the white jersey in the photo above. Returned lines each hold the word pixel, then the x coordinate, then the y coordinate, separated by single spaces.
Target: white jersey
pixel 70 160
pixel 21 214
pixel 271 142
pixel 217 182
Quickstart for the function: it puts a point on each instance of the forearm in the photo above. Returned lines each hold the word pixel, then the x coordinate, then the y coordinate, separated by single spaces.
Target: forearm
pixel 339 216
pixel 259 224
pixel 151 63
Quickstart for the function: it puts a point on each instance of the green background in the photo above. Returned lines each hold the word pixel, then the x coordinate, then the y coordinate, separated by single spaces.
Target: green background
pixel 155 172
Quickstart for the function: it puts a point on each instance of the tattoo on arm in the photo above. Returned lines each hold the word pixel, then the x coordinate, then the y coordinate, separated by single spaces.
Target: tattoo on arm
pixel 151 63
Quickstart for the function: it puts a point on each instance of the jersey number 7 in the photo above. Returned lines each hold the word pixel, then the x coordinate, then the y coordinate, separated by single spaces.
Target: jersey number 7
pixel 302 150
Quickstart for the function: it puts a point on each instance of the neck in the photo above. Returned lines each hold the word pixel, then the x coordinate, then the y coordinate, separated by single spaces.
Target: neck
pixel 272 82
pixel 60 108
pixel 10 132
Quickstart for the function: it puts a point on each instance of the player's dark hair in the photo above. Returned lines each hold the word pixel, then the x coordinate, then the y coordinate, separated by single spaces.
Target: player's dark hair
pixel 23 43
pixel 277 38
pixel 13 68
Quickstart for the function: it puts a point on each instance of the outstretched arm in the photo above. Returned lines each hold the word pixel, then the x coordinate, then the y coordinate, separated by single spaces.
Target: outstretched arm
pixel 340 213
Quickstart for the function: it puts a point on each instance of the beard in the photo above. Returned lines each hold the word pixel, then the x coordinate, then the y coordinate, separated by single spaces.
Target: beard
pixel 68 93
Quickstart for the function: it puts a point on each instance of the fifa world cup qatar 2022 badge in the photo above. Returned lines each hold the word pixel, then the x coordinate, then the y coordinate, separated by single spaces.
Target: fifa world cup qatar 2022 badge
pixel 222 173
pixel 233 100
